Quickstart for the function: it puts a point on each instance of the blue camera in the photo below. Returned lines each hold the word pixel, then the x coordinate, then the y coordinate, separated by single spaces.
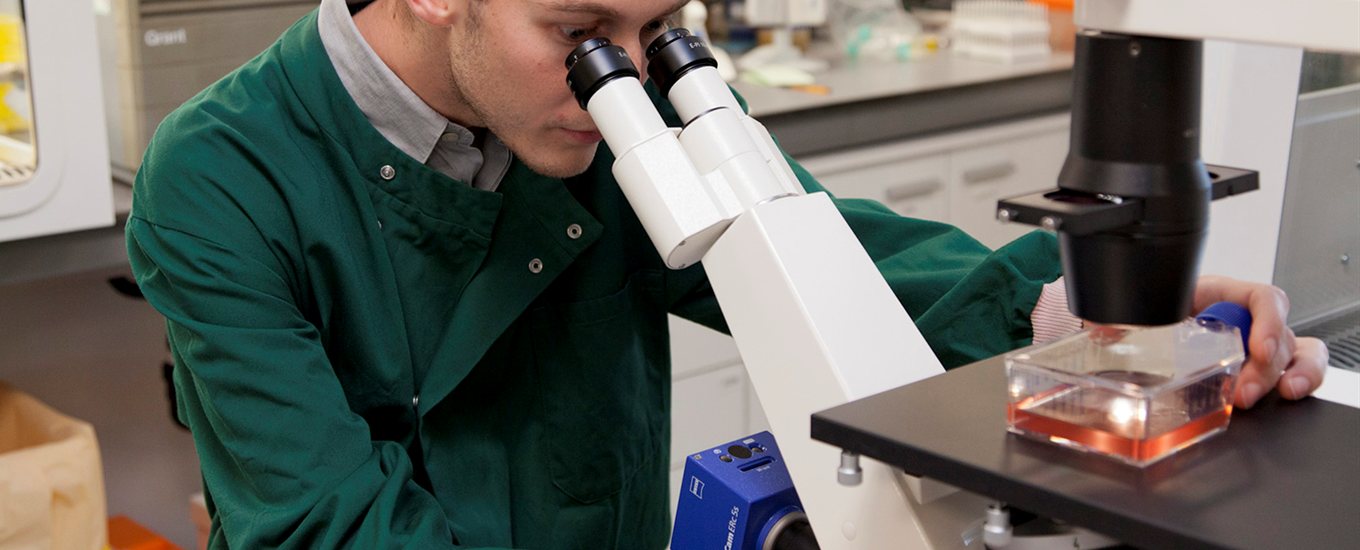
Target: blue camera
pixel 738 496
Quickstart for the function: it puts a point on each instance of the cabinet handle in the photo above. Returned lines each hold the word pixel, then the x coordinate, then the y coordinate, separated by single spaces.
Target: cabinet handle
pixel 990 172
pixel 912 190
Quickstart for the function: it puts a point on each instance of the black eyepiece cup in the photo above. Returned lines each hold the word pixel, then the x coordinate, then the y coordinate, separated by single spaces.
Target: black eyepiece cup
pixel 594 63
pixel 673 54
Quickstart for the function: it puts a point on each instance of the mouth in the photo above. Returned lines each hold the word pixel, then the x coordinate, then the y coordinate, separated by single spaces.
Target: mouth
pixel 585 137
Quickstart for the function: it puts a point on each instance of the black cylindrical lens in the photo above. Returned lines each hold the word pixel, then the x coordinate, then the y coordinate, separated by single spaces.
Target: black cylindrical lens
pixel 592 64
pixel 795 536
pixel 1135 116
pixel 675 53
pixel 1135 134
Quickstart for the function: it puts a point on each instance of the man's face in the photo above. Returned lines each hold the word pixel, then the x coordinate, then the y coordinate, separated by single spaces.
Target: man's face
pixel 507 66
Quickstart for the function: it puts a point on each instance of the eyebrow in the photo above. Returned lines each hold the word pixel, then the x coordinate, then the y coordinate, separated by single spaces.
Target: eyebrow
pixel 603 11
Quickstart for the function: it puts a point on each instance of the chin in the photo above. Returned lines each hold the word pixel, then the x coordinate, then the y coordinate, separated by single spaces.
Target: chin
pixel 562 165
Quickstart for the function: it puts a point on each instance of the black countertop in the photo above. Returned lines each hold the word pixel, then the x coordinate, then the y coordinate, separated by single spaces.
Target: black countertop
pixel 1286 474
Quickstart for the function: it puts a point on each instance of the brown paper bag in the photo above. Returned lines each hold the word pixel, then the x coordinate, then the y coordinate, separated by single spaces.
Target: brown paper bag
pixel 51 482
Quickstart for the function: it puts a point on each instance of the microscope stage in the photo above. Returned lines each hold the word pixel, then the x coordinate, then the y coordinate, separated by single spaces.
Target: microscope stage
pixel 1284 474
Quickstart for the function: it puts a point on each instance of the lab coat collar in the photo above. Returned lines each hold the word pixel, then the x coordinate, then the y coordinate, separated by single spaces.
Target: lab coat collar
pixel 528 222
pixel 381 164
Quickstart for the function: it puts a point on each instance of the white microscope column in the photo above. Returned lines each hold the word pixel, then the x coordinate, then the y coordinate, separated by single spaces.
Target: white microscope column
pixel 817 326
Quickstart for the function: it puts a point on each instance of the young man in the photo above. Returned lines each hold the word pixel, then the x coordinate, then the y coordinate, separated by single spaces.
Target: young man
pixel 409 306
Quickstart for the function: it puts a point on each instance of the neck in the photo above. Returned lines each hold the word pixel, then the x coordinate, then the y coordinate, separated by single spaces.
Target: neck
pixel 416 53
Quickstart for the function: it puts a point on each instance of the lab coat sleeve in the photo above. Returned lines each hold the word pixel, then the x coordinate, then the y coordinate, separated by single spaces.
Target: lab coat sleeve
pixel 286 463
pixel 969 302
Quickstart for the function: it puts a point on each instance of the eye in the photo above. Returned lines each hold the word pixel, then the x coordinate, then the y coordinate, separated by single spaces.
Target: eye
pixel 578 34
pixel 656 27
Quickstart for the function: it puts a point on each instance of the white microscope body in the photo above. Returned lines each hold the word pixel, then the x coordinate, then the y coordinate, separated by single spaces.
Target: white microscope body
pixel 816 324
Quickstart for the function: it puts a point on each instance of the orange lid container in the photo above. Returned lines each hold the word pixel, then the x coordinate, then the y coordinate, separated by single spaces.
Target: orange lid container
pixel 125 534
pixel 1063 5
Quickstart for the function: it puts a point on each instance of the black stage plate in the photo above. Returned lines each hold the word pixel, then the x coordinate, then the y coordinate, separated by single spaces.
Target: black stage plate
pixel 1286 474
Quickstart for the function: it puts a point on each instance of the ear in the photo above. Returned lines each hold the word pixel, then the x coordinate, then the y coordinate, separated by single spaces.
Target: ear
pixel 439 13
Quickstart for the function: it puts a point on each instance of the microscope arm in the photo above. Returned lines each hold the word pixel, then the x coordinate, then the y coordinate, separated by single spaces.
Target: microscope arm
pixel 817 326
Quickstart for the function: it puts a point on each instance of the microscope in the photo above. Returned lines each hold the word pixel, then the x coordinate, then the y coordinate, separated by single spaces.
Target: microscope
pixel 1132 205
pixel 815 323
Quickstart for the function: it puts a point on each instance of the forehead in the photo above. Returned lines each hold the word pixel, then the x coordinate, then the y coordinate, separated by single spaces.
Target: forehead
pixel 613 9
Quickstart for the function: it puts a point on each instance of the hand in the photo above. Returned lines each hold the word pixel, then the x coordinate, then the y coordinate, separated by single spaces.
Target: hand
pixel 1276 358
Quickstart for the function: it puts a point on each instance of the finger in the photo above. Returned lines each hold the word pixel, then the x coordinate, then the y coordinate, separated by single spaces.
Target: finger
pixel 1305 372
pixel 1259 374
pixel 1272 343
pixel 1268 304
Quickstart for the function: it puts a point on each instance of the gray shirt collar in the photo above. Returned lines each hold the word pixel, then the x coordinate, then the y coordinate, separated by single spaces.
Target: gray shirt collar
pixel 399 114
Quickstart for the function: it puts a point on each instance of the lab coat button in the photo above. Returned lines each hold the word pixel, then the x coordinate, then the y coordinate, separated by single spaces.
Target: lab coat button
pixel 415 400
pixel 387 172
pixel 574 231
pixel 535 265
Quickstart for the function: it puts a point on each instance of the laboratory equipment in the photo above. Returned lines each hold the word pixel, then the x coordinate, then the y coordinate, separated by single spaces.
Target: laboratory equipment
pixel 1134 394
pixel 738 495
pixel 1318 262
pixel 54 174
pixel 877 29
pixel 815 322
pixel 782 17
pixel 816 325
pixel 1120 183
pixel 1009 31
pixel 1283 476
pixel 695 16
pixel 1133 191
pixel 155 55
pixel 1136 135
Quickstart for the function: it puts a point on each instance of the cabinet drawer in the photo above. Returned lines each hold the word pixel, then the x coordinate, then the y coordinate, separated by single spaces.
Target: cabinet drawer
pixel 981 175
pixel 914 187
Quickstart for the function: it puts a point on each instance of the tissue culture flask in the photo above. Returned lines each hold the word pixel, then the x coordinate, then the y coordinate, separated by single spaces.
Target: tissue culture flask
pixel 1135 394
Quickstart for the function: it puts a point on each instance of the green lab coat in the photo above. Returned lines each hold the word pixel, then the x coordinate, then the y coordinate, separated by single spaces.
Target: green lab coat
pixel 373 362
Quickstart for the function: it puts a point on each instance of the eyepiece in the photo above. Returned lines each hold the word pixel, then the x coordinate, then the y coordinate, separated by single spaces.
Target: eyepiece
pixel 592 64
pixel 675 53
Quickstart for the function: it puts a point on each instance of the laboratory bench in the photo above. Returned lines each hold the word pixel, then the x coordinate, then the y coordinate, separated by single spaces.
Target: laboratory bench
pixel 872 102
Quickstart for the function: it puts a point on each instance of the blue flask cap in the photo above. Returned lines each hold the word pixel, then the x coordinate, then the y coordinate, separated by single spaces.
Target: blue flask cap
pixel 1229 314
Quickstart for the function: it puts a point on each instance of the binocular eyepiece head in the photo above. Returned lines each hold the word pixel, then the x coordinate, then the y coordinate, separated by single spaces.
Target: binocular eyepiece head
pixel 597 61
pixel 593 64
pixel 673 54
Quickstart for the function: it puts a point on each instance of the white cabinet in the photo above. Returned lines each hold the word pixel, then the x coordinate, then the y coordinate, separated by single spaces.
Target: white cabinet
pixel 706 410
pixel 696 348
pixel 956 177
pixel 914 187
pixel 982 175
pixel 710 394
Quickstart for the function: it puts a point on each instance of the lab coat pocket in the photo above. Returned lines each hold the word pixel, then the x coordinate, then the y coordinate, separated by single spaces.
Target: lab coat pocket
pixel 603 377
